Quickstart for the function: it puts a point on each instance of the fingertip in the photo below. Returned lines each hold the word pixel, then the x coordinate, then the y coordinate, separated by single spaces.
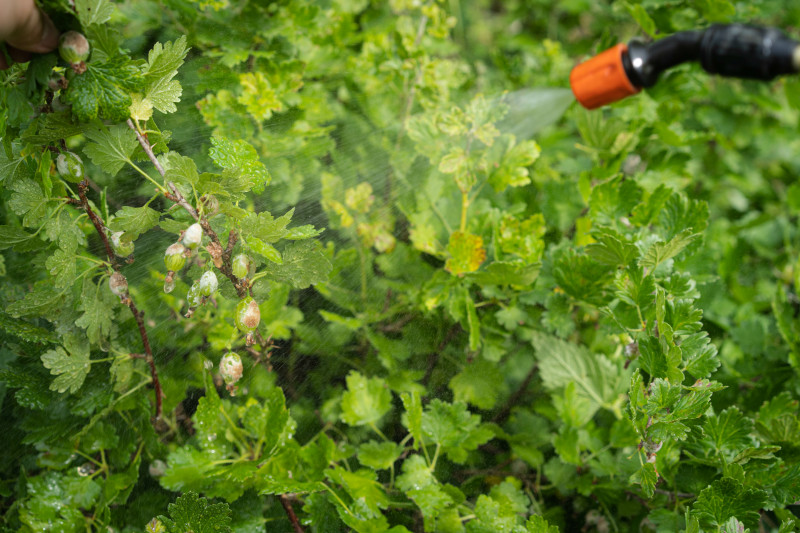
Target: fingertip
pixel 50 34
pixel 36 34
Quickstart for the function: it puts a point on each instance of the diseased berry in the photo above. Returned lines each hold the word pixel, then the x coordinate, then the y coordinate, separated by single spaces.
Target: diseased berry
pixel 157 468
pixel 241 265
pixel 193 297
pixel 230 367
pixel 169 282
pixel 208 284
pixel 248 315
pixel 121 248
pixel 192 236
pixel 174 257
pixel 70 167
pixel 73 48
pixel 118 284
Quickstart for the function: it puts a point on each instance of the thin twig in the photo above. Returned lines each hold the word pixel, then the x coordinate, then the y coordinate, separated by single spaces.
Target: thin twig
pixel 127 300
pixel 175 195
pixel 287 506
pixel 514 398
pixel 434 356
pixel 98 224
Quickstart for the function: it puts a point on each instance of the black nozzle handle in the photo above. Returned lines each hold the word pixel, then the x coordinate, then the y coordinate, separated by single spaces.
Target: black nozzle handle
pixel 733 50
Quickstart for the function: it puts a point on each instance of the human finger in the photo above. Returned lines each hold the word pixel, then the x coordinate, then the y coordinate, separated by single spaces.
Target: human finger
pixel 17 55
pixel 33 30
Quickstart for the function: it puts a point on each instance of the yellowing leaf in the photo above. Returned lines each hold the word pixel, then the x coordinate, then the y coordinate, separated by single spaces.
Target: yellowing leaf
pixel 466 253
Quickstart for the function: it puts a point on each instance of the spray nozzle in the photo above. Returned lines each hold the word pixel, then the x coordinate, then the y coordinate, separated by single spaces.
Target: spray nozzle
pixel 734 50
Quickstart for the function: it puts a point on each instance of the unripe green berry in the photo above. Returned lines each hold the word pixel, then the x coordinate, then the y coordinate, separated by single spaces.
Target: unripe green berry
pixel 230 367
pixel 248 315
pixel 192 236
pixel 73 47
pixel 121 248
pixel 174 257
pixel 208 284
pixel 118 284
pixel 241 266
pixel 70 167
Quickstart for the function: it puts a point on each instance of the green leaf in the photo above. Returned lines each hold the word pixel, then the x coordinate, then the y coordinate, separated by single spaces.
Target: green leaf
pixel 25 331
pixel 304 264
pixel 265 227
pixel 28 200
pixel 300 233
pixel 513 170
pixel 479 383
pixel 662 251
pixel 365 401
pixel 728 432
pixel 661 361
pixel 98 312
pixel 647 477
pixel 93 11
pixel 362 486
pixel 611 248
pixel 642 18
pixel 180 169
pixel 71 369
pixel 12 235
pixel 412 418
pixel 265 250
pixel 102 91
pixel 597 379
pixel 454 428
pixel 240 155
pixel 41 301
pixel 163 62
pixel 378 455
pixel 537 524
pixel 506 273
pixel 727 498
pixel 62 266
pixel 111 147
pixel 193 513
pixel 134 220
pixel 65 231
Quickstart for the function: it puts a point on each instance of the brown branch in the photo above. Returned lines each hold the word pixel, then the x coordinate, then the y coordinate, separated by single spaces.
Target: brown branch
pixel 126 299
pixel 514 398
pixel 287 506
pixel 98 224
pixel 175 195
pixel 434 356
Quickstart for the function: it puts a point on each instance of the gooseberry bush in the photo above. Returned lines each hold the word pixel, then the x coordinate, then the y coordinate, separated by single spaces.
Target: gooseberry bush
pixel 340 266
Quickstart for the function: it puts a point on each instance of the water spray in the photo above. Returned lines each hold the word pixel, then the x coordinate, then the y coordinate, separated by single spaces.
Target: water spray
pixel 732 50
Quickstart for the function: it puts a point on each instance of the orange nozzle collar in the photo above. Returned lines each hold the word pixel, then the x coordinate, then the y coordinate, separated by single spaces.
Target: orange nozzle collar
pixel 602 79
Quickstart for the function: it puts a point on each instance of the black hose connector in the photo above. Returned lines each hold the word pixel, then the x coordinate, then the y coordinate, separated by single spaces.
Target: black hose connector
pixel 733 50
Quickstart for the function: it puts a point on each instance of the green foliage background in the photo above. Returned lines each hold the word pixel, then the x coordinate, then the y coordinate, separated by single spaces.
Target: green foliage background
pixel 513 321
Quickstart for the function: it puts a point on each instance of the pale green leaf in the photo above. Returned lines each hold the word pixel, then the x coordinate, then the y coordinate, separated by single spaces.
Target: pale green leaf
pixel 111 147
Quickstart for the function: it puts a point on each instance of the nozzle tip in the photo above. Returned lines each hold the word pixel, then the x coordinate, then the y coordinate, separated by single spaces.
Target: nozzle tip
pixel 602 79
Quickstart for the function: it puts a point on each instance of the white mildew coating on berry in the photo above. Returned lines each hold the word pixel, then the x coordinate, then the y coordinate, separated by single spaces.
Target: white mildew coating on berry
pixel 118 284
pixel 174 257
pixel 241 266
pixel 70 167
pixel 121 248
pixel 73 47
pixel 230 367
pixel 192 236
pixel 248 315
pixel 208 283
